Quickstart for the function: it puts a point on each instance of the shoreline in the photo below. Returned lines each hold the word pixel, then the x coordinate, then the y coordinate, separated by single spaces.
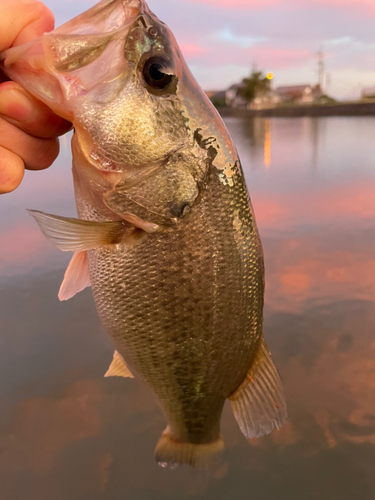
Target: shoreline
pixel 345 109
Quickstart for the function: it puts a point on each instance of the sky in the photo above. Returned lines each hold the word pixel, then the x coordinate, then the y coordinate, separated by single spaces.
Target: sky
pixel 222 40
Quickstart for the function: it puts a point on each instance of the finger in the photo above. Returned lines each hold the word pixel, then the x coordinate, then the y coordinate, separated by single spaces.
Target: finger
pixel 37 154
pixel 12 170
pixel 16 29
pixel 30 115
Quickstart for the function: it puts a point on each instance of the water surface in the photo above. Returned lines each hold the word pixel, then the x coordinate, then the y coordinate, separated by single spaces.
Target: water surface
pixel 65 432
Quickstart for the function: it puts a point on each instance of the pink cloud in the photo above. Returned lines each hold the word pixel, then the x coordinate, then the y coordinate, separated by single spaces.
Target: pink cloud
pixel 20 245
pixel 278 57
pixel 191 50
pixel 266 56
pixel 355 201
pixel 241 4
pixel 362 4
pixel 357 5
pixel 301 269
pixel 42 428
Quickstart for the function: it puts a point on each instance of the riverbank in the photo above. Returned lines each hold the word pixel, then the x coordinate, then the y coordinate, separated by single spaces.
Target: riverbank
pixel 336 109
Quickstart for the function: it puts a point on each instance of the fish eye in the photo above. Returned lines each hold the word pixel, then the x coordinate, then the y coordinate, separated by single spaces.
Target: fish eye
pixel 156 73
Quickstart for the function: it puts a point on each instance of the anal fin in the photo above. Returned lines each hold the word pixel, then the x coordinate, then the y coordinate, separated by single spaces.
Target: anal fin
pixel 118 367
pixel 259 403
pixel 76 277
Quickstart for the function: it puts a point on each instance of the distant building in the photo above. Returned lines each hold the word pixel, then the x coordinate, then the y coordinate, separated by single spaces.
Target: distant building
pixel 217 95
pixel 298 94
pixel 232 97
pixel 218 99
pixel 291 94
pixel 211 93
pixel 368 93
pixel 264 101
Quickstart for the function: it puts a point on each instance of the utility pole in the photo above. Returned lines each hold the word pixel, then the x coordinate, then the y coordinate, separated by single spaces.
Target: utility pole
pixel 321 68
pixel 328 84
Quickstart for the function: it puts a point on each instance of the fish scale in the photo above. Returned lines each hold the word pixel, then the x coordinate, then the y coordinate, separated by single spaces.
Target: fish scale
pixel 166 236
pixel 188 288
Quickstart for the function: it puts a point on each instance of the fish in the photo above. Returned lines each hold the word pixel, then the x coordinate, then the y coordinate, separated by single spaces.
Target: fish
pixel 166 234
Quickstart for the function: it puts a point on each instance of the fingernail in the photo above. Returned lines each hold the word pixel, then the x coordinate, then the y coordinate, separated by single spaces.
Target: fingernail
pixel 14 104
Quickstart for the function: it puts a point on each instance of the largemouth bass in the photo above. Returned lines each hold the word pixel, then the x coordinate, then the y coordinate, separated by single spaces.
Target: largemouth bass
pixel 166 234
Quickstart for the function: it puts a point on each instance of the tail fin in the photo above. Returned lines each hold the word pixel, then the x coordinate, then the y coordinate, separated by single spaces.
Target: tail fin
pixel 169 453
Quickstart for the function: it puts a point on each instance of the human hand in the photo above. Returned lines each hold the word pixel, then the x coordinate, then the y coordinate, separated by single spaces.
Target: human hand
pixel 28 128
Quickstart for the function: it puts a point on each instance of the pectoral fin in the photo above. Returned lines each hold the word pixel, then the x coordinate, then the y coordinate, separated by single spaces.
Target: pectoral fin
pixel 118 367
pixel 76 277
pixel 259 403
pixel 74 235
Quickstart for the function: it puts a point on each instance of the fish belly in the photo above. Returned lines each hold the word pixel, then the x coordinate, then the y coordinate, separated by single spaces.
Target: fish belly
pixel 184 307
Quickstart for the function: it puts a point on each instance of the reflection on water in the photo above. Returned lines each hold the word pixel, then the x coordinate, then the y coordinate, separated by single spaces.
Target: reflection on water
pixel 65 432
pixel 267 143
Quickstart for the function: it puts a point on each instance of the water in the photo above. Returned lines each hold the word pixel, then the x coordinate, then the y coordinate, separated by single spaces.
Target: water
pixel 65 432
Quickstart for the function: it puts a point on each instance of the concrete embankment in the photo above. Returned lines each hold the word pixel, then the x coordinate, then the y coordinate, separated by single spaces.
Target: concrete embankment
pixel 345 109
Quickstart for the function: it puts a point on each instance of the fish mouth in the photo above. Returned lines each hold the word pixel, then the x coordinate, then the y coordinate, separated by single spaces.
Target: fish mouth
pixel 41 65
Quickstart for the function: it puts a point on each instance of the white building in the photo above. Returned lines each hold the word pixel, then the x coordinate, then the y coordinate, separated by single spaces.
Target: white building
pixel 298 94
pixel 368 93
pixel 264 101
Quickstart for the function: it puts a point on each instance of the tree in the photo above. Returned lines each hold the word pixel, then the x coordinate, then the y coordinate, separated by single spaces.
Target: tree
pixel 256 84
